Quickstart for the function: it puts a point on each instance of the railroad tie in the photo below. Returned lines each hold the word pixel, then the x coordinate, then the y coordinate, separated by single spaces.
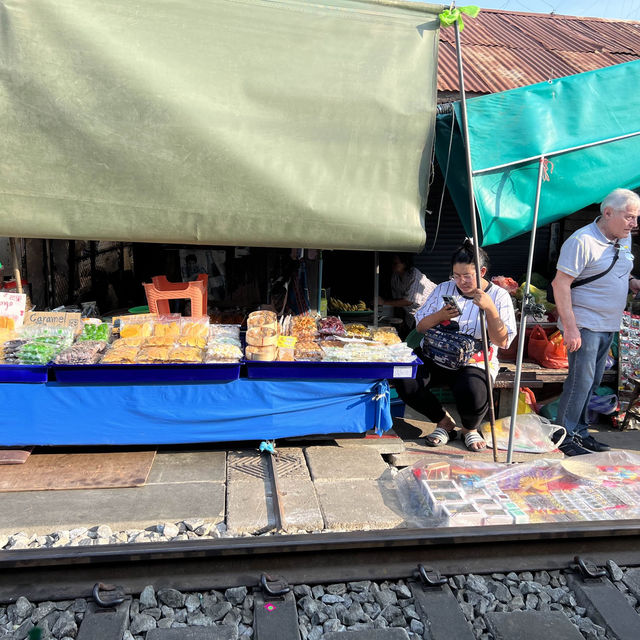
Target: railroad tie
pixel 604 603
pixel 222 632
pixel 441 613
pixel 104 623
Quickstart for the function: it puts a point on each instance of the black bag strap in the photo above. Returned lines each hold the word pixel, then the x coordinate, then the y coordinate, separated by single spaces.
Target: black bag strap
pixel 579 283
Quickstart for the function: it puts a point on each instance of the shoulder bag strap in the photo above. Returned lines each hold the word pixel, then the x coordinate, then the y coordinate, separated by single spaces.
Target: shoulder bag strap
pixel 579 283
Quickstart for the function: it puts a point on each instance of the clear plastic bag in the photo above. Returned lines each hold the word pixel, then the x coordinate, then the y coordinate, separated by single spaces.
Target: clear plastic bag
pixel 532 434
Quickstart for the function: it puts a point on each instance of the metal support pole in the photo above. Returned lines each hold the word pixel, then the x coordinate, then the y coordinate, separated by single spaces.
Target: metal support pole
pixel 15 265
pixel 376 287
pixel 476 244
pixel 319 280
pixel 523 313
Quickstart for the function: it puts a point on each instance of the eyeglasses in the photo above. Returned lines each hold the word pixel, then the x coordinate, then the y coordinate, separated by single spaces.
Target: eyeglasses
pixel 465 276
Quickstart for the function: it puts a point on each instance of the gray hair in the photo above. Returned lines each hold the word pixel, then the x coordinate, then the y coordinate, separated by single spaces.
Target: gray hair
pixel 620 199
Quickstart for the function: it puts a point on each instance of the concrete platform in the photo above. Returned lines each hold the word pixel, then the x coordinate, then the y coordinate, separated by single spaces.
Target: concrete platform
pixel 133 508
pixel 250 492
pixel 190 466
pixel 387 443
pixel 362 504
pixel 328 464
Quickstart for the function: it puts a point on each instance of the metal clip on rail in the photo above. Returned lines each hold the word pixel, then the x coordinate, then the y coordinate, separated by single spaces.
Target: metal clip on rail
pixel 274 587
pixel 429 578
pixel 275 613
pixel 587 569
pixel 110 602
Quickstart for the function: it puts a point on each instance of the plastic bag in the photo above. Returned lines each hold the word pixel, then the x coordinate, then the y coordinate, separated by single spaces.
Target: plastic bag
pixel 538 341
pixel 548 351
pixel 526 401
pixel 555 355
pixel 532 434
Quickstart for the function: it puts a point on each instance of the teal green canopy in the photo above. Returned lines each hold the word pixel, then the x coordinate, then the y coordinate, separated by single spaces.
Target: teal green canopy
pixel 516 127
pixel 278 123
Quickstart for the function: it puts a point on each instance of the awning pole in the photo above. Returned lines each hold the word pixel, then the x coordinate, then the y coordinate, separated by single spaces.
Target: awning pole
pixel 476 243
pixel 376 287
pixel 319 280
pixel 523 314
pixel 14 264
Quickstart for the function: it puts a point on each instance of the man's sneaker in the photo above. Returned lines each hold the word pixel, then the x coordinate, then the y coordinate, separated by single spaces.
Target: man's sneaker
pixel 594 445
pixel 572 446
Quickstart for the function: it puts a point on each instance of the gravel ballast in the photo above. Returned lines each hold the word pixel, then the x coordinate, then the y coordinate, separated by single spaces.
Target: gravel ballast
pixel 352 606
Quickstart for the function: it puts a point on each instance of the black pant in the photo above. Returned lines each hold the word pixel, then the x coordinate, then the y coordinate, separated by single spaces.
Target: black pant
pixel 468 385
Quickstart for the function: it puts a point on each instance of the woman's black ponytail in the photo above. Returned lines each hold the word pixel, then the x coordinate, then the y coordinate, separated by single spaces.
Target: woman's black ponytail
pixel 464 254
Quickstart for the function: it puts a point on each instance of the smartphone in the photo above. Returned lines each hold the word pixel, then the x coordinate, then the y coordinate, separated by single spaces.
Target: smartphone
pixel 451 302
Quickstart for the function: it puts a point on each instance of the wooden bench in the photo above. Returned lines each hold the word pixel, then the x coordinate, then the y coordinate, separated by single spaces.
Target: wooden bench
pixel 535 377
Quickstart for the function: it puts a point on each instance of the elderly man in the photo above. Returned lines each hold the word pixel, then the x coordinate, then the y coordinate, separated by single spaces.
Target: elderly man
pixel 590 289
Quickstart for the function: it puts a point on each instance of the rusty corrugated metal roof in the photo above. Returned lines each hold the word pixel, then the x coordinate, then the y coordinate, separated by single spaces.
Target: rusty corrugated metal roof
pixel 507 49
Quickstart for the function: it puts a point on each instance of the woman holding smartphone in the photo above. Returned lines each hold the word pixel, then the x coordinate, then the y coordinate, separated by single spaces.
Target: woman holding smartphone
pixel 459 301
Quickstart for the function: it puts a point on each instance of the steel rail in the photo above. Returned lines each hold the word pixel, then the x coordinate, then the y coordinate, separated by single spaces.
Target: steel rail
pixel 71 572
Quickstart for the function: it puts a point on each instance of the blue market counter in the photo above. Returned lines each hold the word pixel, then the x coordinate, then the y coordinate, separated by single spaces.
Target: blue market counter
pixel 59 414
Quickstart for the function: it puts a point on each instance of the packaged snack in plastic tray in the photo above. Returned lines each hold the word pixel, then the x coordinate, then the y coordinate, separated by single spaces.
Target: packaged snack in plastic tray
pixel 262 336
pixel 85 352
pixel 220 352
pixel 61 336
pixel 383 336
pixel 261 319
pixel 167 327
pixel 160 341
pixel 287 348
pixel 225 340
pixel 126 342
pixel 263 354
pixel 357 330
pixel 401 352
pixel 132 328
pixel 221 331
pixel 10 350
pixel 186 354
pixel 122 355
pixel 37 353
pixel 95 332
pixel 304 328
pixel 331 326
pixel 6 335
pixel 308 351
pixel 194 332
pixel 151 355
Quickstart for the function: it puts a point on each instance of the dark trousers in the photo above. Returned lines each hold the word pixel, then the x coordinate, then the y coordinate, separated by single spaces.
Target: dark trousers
pixel 468 385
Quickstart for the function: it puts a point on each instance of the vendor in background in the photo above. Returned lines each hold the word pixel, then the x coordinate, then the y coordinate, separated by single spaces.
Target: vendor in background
pixel 410 288
pixel 468 383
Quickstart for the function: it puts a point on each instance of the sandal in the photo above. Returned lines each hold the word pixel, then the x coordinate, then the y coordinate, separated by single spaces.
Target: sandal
pixel 473 437
pixel 439 437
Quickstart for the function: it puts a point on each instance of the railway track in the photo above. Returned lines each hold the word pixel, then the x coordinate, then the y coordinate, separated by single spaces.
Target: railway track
pixel 329 558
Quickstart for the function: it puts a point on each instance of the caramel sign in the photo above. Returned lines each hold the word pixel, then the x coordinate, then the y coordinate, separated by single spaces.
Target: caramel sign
pixel 54 319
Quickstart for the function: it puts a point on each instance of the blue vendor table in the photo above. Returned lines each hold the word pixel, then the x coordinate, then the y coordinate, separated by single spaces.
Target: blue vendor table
pixel 158 413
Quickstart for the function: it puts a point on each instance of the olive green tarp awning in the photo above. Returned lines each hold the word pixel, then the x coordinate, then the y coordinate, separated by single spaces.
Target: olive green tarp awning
pixel 547 119
pixel 235 122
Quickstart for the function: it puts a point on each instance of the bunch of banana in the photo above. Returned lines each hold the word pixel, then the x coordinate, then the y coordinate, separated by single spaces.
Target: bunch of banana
pixel 338 305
